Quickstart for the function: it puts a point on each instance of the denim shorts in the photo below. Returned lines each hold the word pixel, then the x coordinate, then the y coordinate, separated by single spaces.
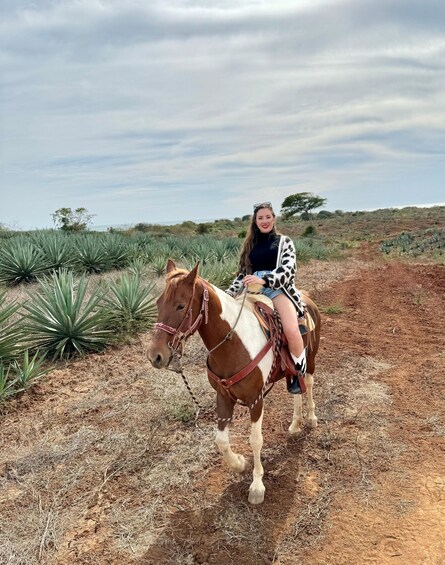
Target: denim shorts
pixel 269 292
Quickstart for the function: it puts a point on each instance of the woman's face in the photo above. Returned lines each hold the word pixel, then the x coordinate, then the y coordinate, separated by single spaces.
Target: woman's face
pixel 265 220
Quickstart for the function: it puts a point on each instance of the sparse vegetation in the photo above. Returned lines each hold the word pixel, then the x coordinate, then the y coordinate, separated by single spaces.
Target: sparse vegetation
pixel 333 309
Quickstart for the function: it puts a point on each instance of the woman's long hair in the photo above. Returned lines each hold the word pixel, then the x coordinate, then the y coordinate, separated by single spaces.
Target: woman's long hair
pixel 251 239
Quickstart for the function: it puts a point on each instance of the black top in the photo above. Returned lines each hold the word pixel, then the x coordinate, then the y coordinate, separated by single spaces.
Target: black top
pixel 264 254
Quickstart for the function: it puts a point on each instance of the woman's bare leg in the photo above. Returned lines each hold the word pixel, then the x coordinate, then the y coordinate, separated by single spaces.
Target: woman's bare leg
pixel 289 319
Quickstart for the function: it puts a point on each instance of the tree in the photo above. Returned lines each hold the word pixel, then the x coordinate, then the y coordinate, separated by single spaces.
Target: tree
pixel 300 202
pixel 68 220
pixel 204 228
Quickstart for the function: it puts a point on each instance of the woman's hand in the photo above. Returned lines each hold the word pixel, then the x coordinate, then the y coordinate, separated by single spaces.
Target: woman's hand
pixel 253 279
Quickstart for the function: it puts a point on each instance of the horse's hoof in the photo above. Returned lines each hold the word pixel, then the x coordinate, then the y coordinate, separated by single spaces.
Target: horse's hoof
pixel 257 496
pixel 294 429
pixel 240 467
pixel 312 422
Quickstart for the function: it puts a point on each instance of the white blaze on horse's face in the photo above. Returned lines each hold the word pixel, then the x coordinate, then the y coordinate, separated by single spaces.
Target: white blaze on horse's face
pixel 247 329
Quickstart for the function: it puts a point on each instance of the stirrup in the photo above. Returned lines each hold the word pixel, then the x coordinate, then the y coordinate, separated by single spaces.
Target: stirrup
pixel 294 387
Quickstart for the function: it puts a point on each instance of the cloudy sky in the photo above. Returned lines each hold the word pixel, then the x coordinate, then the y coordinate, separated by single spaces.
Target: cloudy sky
pixel 165 110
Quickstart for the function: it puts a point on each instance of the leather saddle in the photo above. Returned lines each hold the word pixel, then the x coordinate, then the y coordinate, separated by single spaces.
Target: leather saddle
pixel 283 363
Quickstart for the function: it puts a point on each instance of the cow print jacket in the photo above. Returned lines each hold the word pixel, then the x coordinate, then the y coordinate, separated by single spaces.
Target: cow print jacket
pixel 282 277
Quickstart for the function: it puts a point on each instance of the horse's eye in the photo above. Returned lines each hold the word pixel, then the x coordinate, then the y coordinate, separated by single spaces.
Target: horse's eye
pixel 180 307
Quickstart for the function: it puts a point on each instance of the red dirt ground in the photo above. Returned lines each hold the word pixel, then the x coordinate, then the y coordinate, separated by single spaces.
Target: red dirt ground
pixel 367 486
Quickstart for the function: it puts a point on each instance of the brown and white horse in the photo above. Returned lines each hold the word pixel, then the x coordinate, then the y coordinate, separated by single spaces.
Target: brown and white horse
pixel 189 304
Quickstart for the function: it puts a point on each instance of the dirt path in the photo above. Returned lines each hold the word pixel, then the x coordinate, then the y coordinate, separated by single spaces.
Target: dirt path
pixel 101 463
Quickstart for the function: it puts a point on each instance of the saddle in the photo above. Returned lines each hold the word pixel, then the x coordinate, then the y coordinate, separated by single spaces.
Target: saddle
pixel 269 320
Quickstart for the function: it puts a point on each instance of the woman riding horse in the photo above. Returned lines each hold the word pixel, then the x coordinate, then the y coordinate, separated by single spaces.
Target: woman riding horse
pixel 268 259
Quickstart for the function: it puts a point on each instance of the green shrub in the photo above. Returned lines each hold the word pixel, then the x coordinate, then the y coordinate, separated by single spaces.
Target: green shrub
pixel 323 214
pixel 204 228
pixel 309 231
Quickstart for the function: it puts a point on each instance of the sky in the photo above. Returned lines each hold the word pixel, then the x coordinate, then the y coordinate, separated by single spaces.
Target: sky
pixel 173 110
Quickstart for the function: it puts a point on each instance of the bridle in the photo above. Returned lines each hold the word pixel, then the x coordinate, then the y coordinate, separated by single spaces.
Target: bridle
pixel 186 328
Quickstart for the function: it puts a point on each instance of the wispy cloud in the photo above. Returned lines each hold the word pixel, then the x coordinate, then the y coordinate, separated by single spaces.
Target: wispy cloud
pixel 181 109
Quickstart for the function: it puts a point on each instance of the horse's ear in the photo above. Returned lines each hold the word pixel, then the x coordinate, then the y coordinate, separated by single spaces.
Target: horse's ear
pixel 170 266
pixel 191 277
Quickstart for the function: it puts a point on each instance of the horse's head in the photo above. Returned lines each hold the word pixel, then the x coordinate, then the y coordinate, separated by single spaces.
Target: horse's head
pixel 178 308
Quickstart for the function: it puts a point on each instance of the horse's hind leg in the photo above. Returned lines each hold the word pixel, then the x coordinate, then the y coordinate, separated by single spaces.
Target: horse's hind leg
pixel 311 417
pixel 257 489
pixel 297 420
pixel 224 409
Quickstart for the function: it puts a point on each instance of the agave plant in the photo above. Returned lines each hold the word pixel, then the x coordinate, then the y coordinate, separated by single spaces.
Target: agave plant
pixel 29 370
pixel 218 273
pixel 7 383
pixel 158 264
pixel 91 255
pixel 117 251
pixel 138 267
pixel 202 251
pixel 302 250
pixel 62 321
pixel 220 250
pixel 10 330
pixel 130 306
pixel 21 261
pixel 56 249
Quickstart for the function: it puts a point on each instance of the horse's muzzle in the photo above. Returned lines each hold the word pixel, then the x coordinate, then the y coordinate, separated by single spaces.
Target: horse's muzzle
pixel 158 359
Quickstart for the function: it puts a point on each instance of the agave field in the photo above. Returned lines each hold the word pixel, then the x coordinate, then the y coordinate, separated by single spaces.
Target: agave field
pixel 414 244
pixel 64 314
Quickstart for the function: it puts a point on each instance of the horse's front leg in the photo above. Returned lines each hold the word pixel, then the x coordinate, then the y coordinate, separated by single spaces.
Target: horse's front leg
pixel 257 488
pixel 224 410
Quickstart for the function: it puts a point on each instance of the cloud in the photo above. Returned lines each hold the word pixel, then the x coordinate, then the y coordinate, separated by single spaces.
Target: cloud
pixel 172 100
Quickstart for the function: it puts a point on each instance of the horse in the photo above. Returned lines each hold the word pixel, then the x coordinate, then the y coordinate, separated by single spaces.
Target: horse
pixel 236 345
